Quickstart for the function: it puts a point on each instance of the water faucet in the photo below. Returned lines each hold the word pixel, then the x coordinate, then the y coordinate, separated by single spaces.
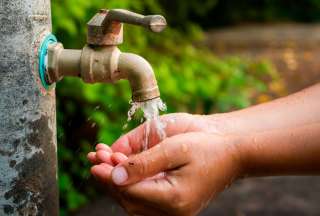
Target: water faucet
pixel 101 61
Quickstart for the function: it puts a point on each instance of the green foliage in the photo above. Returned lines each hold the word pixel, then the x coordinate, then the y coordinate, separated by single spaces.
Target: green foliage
pixel 191 79
pixel 225 12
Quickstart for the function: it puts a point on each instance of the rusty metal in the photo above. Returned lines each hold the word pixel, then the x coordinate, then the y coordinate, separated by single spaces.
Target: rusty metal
pixel 100 64
pixel 106 28
pixel 102 61
pixel 140 75
pixel 103 64
pixel 155 23
pixel 62 62
pixel 103 32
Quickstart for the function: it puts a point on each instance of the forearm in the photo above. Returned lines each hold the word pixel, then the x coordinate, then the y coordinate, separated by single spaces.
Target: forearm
pixel 296 110
pixel 294 151
pixel 281 137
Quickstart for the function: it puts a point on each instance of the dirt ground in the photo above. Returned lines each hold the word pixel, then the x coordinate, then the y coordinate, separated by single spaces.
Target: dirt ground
pixel 294 49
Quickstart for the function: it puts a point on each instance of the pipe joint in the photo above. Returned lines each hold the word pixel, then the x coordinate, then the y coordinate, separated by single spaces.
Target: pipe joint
pixel 100 64
pixel 62 62
pixel 103 64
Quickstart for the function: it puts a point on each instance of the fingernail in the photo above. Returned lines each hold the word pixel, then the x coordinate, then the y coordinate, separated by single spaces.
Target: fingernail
pixel 119 175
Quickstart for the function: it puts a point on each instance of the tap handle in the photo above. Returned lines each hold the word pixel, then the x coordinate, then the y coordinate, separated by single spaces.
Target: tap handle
pixel 155 23
pixel 105 28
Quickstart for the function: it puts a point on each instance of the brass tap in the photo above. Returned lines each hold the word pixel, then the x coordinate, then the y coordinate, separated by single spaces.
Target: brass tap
pixel 101 61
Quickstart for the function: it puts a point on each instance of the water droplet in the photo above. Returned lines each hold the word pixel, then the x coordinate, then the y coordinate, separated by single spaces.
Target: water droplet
pixel 125 126
pixel 172 120
pixel 165 152
pixel 184 148
pixel 254 140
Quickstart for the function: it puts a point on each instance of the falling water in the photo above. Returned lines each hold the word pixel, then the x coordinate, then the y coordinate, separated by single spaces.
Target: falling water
pixel 150 110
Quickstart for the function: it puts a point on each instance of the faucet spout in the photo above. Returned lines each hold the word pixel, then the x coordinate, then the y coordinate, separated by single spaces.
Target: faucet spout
pixel 103 64
pixel 140 76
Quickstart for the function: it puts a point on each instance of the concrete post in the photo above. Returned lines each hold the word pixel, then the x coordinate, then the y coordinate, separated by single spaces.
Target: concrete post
pixel 28 163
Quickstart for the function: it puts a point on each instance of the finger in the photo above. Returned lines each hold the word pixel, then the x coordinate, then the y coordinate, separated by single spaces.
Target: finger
pixel 122 145
pixel 102 172
pixel 103 156
pixel 174 124
pixel 118 157
pixel 91 156
pixel 102 146
pixel 169 154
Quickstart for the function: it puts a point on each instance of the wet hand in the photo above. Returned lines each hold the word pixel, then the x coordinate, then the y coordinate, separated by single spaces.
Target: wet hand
pixel 179 176
pixel 131 143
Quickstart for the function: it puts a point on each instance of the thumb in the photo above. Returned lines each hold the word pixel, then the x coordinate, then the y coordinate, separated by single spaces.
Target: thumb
pixel 169 154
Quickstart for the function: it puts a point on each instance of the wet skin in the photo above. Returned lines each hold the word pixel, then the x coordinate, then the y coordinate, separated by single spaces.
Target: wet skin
pixel 202 155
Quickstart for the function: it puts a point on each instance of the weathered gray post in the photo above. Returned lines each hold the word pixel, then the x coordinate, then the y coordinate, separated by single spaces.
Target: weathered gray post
pixel 28 163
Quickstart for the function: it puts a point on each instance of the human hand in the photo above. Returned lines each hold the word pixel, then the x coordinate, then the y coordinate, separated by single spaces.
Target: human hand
pixel 131 143
pixel 195 166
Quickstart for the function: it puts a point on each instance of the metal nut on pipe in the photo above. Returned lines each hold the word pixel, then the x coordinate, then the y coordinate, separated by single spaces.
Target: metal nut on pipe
pixel 62 62
pixel 100 64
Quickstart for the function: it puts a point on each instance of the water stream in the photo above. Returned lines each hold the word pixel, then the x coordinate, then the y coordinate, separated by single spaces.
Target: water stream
pixel 151 110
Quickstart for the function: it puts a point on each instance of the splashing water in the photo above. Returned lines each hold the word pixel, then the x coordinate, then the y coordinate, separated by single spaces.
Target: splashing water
pixel 150 110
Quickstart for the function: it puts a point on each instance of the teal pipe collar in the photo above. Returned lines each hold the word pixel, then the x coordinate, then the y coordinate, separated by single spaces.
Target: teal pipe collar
pixel 43 52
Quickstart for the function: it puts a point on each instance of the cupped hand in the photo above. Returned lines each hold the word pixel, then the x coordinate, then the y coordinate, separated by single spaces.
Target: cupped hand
pixel 179 176
pixel 132 142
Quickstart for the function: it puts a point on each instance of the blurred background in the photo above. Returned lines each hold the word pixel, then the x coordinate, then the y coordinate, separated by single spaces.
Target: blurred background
pixel 216 56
